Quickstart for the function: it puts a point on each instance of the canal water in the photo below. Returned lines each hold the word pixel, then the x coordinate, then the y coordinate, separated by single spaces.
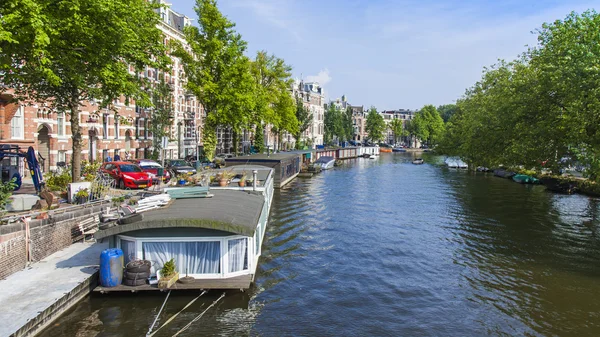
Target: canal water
pixel 386 248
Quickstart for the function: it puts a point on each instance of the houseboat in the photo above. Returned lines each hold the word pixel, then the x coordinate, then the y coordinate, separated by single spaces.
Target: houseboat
pixel 325 162
pixel 286 165
pixel 215 240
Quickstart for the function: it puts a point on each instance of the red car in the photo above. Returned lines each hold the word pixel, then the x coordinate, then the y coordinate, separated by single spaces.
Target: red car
pixel 151 167
pixel 127 175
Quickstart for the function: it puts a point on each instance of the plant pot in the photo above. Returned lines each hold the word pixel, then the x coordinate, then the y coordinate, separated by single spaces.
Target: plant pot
pixel 181 182
pixel 242 183
pixel 167 282
pixel 223 182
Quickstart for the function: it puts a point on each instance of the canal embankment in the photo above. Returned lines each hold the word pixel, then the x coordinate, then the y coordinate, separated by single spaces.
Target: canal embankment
pixel 33 297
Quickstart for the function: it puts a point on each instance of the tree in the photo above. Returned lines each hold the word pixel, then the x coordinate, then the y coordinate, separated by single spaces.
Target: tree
pixel 64 53
pixel 217 71
pixel 162 115
pixel 259 139
pixel 397 128
pixel 375 125
pixel 447 111
pixel 429 125
pixel 304 118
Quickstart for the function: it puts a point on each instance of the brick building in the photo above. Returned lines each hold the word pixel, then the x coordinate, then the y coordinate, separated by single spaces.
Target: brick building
pixel 123 129
pixel 313 98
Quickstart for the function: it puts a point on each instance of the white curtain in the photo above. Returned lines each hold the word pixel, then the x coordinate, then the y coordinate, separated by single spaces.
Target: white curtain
pixel 190 257
pixel 238 255
pixel 128 248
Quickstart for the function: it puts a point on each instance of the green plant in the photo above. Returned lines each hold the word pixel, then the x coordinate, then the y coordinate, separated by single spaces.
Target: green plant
pixel 244 175
pixel 118 200
pixel 225 174
pixel 6 190
pixel 132 202
pixel 82 193
pixel 168 269
pixel 58 181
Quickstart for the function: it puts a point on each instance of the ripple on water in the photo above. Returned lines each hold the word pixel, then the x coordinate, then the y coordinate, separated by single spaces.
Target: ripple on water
pixel 386 248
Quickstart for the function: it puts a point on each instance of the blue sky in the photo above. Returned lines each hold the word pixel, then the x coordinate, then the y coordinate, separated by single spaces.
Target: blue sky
pixel 391 53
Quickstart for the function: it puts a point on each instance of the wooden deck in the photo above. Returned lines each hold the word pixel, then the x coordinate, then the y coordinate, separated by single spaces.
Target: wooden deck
pixel 238 282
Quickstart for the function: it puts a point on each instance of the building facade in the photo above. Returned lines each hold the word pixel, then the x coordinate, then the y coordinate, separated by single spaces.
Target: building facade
pixel 402 114
pixel 313 98
pixel 359 122
pixel 121 128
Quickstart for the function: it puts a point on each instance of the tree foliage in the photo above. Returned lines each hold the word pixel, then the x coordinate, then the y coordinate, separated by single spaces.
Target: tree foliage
pixel 161 116
pixel 539 108
pixel 397 127
pixel 65 52
pixel 427 125
pixel 304 118
pixel 447 111
pixel 217 71
pixel 375 126
pixel 337 124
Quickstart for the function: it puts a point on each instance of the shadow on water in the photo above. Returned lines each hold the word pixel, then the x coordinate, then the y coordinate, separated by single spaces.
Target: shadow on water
pixel 382 247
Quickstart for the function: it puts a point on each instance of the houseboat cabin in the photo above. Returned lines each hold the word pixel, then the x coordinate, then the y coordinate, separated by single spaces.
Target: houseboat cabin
pixel 216 240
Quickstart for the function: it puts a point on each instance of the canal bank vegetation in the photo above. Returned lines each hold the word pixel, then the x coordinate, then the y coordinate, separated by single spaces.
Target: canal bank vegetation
pixel 540 111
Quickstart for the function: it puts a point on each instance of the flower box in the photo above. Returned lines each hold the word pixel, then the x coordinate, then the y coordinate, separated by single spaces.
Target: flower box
pixel 167 282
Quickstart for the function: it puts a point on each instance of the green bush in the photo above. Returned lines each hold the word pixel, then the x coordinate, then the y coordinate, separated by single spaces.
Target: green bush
pixel 58 181
pixel 168 269
pixel 6 190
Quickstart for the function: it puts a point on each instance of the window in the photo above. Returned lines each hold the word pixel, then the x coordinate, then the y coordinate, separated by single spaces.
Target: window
pixel 116 127
pixel 191 257
pixel 60 119
pixel 238 255
pixel 62 156
pixel 17 124
pixel 105 127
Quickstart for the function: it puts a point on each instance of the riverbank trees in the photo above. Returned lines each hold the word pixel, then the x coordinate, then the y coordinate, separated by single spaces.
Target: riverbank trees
pixel 64 53
pixel 375 125
pixel 538 109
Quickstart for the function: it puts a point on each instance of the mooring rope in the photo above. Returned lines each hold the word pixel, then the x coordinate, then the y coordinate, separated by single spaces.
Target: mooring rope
pixel 157 315
pixel 173 317
pixel 199 316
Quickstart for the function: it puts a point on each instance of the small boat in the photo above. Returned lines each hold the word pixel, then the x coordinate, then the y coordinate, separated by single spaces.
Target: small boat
pixel 398 149
pixel 525 179
pixel 325 162
pixel 372 156
pixel 455 163
pixel 483 169
pixel 502 173
pixel 418 161
pixel 385 149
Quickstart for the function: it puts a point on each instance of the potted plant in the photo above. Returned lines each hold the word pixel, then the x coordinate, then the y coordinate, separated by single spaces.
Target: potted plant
pixel 81 196
pixel 242 182
pixel 249 181
pixel 168 275
pixel 224 178
pixel 181 180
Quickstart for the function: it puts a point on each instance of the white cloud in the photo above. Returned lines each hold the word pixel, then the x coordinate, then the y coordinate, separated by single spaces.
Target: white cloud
pixel 322 77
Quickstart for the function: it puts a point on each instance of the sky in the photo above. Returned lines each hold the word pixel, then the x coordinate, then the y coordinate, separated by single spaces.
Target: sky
pixel 391 54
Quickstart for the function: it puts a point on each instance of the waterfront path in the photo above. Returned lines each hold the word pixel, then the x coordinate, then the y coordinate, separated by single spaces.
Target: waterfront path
pixel 32 297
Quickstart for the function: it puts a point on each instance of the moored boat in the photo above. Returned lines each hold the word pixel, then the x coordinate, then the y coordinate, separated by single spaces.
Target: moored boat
pixel 325 162
pixel 418 161
pixel 525 179
pixel 385 149
pixel 502 173
pixel 455 163
pixel 558 185
pixel 215 242
pixel 398 149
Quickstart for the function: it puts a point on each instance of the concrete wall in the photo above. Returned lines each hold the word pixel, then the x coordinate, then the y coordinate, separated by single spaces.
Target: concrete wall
pixel 47 236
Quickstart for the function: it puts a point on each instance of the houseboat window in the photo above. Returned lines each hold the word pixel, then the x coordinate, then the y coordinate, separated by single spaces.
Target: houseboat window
pixel 238 255
pixel 190 257
pixel 128 248
pixel 258 237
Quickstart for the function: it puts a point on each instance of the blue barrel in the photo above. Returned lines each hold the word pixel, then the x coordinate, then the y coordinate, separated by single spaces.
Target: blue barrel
pixel 111 267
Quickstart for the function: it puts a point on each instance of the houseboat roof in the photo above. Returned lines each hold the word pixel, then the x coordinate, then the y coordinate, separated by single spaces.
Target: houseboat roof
pixel 263 157
pixel 231 211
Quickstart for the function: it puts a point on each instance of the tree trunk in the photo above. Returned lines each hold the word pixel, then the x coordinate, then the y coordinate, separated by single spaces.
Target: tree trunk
pixel 236 141
pixel 76 139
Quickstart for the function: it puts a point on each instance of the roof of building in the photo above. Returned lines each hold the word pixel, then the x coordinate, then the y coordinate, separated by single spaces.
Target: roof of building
pixel 231 211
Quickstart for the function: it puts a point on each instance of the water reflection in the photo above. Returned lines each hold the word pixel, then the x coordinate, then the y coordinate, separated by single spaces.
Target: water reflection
pixel 386 248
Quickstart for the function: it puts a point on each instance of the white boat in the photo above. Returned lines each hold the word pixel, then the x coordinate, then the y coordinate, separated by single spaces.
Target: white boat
pixel 325 162
pixel 215 240
pixel 455 163
pixel 418 161
pixel 373 156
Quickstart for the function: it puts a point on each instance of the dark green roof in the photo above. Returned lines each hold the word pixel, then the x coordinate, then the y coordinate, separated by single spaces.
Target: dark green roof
pixel 231 211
